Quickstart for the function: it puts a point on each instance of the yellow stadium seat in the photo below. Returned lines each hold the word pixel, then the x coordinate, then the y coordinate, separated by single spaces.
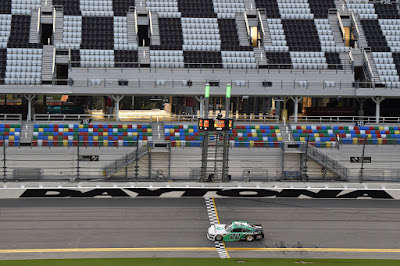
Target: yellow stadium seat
pixel 171 131
pixel 11 138
pixel 95 138
pixel 328 144
pixel 380 141
pixel 149 130
pixel 40 129
pixel 279 138
pixel 191 130
pixel 65 143
pixel 355 140
pixel 316 135
pixel 12 129
pixel 105 133
pixel 302 139
pixel 81 126
pixel 124 126
pixel 178 143
pixel 257 127
pixel 302 128
pixel 105 143
pixel 397 132
pixel 50 138
pixel 65 129
pixel 251 143
pixel 135 133
pixel 277 131
pixel 369 136
pixel 381 128
pixel 254 134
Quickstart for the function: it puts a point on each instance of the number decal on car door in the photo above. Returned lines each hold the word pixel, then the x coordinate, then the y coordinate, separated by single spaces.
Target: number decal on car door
pixel 235 236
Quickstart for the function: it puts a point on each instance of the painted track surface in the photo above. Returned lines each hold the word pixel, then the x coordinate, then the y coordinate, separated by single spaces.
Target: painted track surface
pixel 155 222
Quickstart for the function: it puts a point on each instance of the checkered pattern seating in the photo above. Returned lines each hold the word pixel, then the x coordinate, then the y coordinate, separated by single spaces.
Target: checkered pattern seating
pixel 10 134
pixel 90 135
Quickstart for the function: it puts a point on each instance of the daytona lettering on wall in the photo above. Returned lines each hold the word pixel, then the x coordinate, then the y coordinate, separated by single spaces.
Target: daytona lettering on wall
pixel 180 192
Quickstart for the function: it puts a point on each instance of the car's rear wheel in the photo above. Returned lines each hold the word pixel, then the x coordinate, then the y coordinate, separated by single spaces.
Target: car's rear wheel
pixel 249 238
pixel 218 238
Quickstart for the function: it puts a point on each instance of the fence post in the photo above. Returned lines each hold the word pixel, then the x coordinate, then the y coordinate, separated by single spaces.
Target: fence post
pixel 4 162
pixel 77 163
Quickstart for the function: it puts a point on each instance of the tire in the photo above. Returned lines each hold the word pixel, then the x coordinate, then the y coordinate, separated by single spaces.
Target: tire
pixel 249 238
pixel 218 238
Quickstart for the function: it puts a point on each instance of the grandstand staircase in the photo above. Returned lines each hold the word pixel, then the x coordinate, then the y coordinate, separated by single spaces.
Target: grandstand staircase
pixel 250 4
pixel 144 56
pixel 285 133
pixel 46 3
pixel 242 31
pixel 341 7
pixel 58 34
pixel 26 133
pixel 125 161
pixel 267 35
pixel 33 29
pixel 132 36
pixel 215 156
pixel 48 64
pixel 327 162
pixel 375 75
pixel 337 35
pixel 362 41
pixel 155 29
pixel 158 132
pixel 261 59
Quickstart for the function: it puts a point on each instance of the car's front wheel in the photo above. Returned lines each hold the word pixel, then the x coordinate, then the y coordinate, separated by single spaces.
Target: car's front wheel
pixel 218 238
pixel 249 238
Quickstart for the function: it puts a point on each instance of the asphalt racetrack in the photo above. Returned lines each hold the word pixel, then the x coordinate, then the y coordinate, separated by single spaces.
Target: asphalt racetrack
pixel 157 227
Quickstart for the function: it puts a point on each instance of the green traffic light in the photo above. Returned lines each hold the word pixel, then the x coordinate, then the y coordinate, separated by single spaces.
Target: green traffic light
pixel 228 90
pixel 207 93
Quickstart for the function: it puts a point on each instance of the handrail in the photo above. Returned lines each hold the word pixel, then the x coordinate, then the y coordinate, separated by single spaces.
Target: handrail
pixel 54 62
pixel 367 64
pixel 327 161
pixel 340 24
pixel 136 25
pixel 343 119
pixel 355 25
pixel 11 117
pixel 125 160
pixel 151 22
pixel 261 23
pixel 247 24
pixel 38 24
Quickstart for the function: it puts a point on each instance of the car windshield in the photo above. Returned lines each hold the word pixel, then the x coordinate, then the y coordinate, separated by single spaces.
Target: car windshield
pixel 229 228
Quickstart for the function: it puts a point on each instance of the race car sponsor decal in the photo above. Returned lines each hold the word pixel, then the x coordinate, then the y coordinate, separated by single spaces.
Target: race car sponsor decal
pixel 202 192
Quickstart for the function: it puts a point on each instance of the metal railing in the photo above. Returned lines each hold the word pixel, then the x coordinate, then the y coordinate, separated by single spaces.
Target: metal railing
pixel 124 161
pixel 326 161
pixel 344 119
pixel 11 117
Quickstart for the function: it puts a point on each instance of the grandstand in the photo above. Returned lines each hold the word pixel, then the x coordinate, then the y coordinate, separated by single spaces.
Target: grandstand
pixel 331 52
pixel 299 62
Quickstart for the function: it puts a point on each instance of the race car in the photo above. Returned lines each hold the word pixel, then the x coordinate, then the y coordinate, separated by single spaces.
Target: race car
pixel 236 231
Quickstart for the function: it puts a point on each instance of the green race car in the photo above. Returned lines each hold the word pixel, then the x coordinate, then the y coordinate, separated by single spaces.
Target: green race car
pixel 235 232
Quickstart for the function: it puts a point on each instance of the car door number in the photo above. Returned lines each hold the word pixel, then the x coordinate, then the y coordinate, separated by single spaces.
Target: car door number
pixel 235 236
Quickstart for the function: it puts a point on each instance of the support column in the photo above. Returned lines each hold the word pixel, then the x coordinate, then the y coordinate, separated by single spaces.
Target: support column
pixel 29 98
pixel 201 100
pixel 296 101
pixel 378 101
pixel 284 110
pixel 361 102
pixel 117 99
pixel 133 103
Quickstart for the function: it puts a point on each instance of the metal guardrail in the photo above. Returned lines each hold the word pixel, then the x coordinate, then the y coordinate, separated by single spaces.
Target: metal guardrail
pixel 344 119
pixel 124 161
pixel 326 161
pixel 11 117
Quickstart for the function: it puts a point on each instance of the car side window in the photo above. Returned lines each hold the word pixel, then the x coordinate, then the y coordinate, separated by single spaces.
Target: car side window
pixel 246 230
pixel 237 230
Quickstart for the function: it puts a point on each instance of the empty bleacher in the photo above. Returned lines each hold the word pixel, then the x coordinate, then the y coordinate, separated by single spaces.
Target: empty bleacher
pixel 241 136
pixel 329 135
pixel 90 135
pixel 10 134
